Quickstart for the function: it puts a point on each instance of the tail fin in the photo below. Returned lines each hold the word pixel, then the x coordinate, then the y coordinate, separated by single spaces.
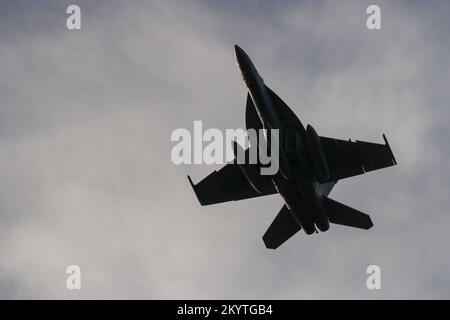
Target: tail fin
pixel 341 214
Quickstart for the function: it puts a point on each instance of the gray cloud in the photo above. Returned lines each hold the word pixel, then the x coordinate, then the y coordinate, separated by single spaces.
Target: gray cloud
pixel 85 125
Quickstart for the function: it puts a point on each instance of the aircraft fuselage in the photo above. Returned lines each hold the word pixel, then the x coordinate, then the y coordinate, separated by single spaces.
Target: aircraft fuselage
pixel 299 188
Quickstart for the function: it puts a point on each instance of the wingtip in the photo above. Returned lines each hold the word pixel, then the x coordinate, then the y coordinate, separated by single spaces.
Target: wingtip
pixel 190 181
pixel 195 190
pixel 370 225
pixel 268 244
pixel 390 150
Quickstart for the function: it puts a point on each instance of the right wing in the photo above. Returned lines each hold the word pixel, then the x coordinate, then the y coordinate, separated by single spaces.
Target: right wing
pixel 282 228
pixel 350 158
pixel 230 184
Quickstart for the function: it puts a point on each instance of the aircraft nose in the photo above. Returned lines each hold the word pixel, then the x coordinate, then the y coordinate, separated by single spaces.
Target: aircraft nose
pixel 237 49
pixel 241 57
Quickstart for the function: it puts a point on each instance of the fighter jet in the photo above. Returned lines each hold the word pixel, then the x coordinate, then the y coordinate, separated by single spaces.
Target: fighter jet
pixel 309 167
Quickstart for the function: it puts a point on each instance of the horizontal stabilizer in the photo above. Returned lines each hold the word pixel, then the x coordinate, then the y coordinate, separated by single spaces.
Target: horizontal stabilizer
pixel 341 214
pixel 282 228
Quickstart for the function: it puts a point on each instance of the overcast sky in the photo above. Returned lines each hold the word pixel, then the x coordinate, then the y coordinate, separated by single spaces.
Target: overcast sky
pixel 85 124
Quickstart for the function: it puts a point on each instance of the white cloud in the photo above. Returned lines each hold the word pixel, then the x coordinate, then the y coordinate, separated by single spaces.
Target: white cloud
pixel 85 161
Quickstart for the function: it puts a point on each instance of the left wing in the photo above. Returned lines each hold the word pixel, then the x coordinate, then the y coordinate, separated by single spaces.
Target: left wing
pixel 350 158
pixel 230 184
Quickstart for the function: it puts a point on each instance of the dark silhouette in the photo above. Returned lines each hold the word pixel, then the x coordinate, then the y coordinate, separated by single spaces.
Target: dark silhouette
pixel 309 167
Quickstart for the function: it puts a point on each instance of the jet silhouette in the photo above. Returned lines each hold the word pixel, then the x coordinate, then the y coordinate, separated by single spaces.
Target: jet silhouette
pixel 309 167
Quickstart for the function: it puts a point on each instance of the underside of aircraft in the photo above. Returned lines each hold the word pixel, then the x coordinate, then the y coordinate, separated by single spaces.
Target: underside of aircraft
pixel 313 165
